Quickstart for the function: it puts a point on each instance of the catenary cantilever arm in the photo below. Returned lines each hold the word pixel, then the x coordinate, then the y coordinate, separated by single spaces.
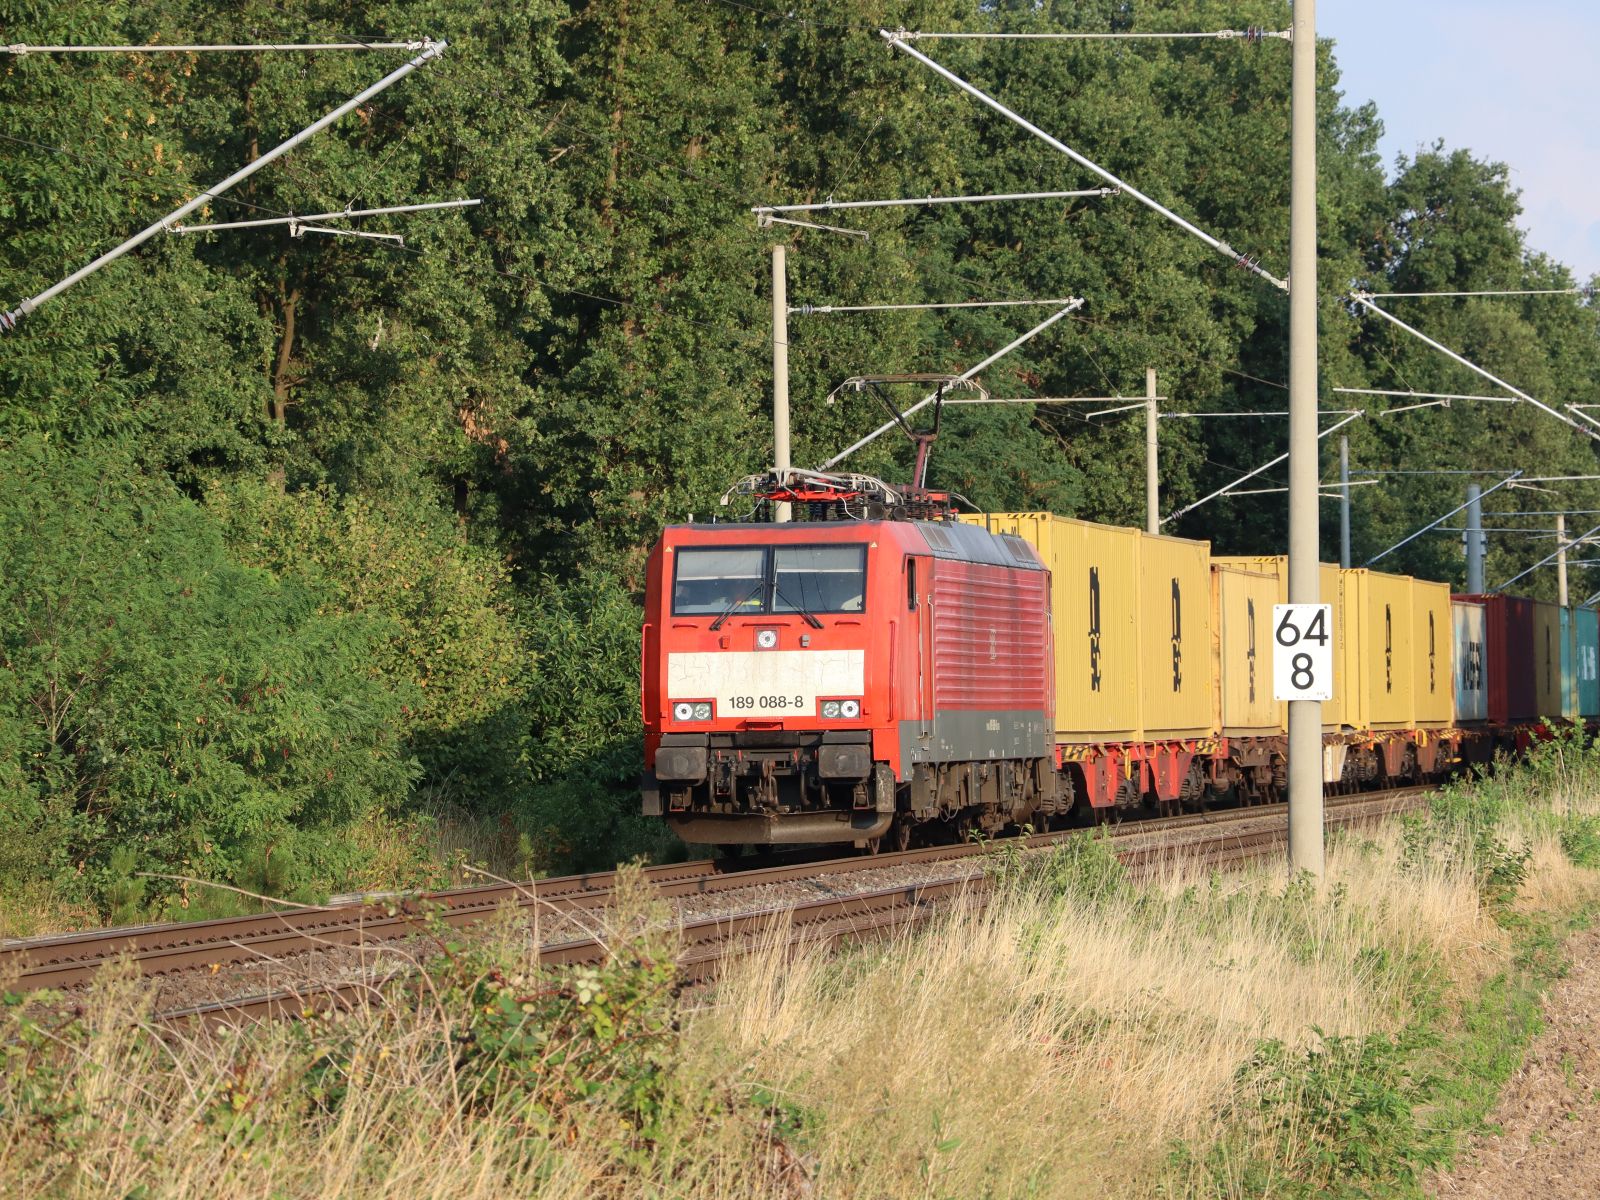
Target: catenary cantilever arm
pixel 1365 299
pixel 965 375
pixel 8 320
pixel 897 40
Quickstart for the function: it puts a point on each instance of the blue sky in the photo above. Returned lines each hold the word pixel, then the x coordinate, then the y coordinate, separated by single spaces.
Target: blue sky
pixel 1516 81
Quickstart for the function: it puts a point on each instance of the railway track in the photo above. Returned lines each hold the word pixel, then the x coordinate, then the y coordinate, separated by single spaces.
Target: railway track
pixel 71 960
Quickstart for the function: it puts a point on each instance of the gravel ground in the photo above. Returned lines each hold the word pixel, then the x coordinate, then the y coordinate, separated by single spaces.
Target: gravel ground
pixel 1549 1115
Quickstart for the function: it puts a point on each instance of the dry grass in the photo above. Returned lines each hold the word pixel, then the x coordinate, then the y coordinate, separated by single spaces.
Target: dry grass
pixel 1124 1016
pixel 1058 1042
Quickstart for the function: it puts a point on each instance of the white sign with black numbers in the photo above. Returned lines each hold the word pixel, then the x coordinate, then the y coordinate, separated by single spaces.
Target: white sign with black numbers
pixel 1302 651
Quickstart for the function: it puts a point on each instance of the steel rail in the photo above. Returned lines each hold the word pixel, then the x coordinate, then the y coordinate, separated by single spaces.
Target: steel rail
pixel 70 960
pixel 709 943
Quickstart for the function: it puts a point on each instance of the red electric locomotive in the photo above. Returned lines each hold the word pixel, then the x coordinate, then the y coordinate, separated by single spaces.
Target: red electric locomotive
pixel 846 680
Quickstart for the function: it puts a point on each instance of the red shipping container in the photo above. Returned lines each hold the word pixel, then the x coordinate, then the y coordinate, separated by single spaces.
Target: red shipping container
pixel 1508 658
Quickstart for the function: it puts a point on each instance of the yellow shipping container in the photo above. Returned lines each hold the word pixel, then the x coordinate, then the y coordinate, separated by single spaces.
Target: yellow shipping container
pixel 1432 642
pixel 1132 618
pixel 1095 597
pixel 1241 630
pixel 1380 628
pixel 1177 693
pixel 1351 653
pixel 1343 709
pixel 1547 658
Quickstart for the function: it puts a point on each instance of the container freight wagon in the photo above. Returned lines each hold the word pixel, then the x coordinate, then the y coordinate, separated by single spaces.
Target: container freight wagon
pixel 845 681
pixel 1399 658
pixel 1580 689
pixel 1135 689
pixel 1392 711
pixel 1509 663
pixel 1569 675
pixel 1241 630
pixel 1382 654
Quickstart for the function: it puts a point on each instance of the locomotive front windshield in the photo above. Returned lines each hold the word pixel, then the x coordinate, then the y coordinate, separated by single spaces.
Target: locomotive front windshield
pixel 769 579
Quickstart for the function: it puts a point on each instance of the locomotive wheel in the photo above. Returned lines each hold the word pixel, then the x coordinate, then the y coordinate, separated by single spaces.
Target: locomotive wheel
pixel 899 835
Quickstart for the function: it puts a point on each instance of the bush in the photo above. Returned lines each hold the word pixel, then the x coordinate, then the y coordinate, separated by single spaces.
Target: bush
pixel 1346 1109
pixel 1580 840
pixel 588 746
pixel 160 697
pixel 1084 870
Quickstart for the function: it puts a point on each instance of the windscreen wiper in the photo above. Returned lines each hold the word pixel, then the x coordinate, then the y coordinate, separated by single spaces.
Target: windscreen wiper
pixel 729 611
pixel 799 608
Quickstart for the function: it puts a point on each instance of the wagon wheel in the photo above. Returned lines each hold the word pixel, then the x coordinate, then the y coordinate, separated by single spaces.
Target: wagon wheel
pixel 1191 796
pixel 1128 798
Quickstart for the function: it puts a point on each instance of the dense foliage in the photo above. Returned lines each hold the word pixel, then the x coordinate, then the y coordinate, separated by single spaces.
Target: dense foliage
pixel 412 486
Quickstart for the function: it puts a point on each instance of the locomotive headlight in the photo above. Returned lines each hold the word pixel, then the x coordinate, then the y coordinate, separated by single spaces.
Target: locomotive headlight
pixel 849 709
pixel 683 712
pixel 830 709
pixel 702 711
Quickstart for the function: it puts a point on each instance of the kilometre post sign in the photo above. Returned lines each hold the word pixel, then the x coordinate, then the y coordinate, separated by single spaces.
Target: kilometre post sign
pixel 1302 652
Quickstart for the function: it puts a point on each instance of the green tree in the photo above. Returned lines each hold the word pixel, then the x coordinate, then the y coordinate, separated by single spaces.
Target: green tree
pixel 455 652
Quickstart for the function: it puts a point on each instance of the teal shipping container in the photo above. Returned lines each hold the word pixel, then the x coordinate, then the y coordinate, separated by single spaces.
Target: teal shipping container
pixel 1569 678
pixel 1586 659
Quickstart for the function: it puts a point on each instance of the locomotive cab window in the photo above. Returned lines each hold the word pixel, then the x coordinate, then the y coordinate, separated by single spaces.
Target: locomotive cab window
pixel 716 580
pixel 819 578
pixel 711 581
